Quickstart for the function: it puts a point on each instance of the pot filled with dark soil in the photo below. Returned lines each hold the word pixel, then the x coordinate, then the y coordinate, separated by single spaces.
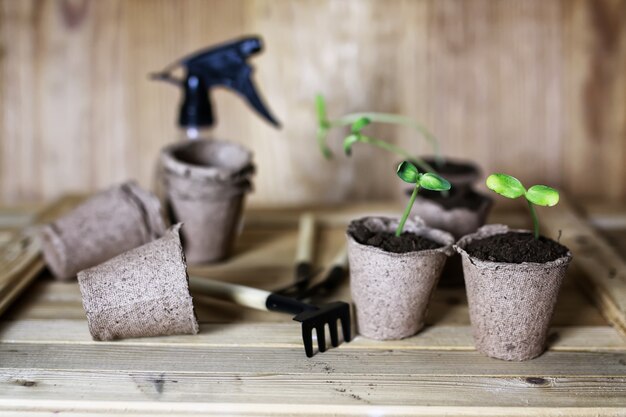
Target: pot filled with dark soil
pixel 512 282
pixel 392 278
pixel 205 183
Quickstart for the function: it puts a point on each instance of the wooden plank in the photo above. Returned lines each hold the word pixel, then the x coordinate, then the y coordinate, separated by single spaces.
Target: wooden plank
pixel 605 270
pixel 594 81
pixel 20 261
pixel 49 299
pixel 171 409
pixel 179 391
pixel 496 81
pixel 342 360
pixel 285 334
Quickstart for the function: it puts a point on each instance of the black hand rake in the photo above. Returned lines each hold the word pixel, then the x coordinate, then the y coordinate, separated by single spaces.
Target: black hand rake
pixel 311 316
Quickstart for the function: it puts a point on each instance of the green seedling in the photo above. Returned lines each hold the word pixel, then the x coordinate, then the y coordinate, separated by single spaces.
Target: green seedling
pixel 358 121
pixel 510 187
pixel 409 173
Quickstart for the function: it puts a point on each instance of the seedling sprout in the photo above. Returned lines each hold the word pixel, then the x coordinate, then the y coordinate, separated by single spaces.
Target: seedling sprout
pixel 430 181
pixel 358 121
pixel 510 187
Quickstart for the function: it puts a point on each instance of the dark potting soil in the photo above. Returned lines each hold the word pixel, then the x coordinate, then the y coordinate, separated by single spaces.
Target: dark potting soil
pixel 388 241
pixel 470 200
pixel 514 247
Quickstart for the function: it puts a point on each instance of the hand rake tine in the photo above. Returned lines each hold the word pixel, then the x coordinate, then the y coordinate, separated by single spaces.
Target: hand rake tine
pixel 345 326
pixel 307 340
pixel 321 337
pixel 310 316
pixel 334 337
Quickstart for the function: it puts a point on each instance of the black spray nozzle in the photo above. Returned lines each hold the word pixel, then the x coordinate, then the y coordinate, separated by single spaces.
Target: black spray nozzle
pixel 222 65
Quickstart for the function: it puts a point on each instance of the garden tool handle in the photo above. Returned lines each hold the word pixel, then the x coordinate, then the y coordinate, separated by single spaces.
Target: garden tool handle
pixel 248 296
pixel 304 248
pixel 239 294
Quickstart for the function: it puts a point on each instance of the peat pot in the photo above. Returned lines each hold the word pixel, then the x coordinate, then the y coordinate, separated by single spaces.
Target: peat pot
pixel 111 222
pixel 391 291
pixel 205 183
pixel 511 303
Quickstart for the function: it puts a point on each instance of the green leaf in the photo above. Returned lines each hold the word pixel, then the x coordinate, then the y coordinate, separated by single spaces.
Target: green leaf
pixel 408 172
pixel 359 124
pixel 434 182
pixel 505 185
pixel 322 132
pixel 542 195
pixel 320 108
pixel 348 142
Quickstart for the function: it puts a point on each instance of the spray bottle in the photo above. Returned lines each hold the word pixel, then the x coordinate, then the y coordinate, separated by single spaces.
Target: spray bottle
pixel 203 181
pixel 223 65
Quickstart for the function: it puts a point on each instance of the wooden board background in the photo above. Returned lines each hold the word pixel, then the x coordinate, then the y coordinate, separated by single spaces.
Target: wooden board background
pixel 536 88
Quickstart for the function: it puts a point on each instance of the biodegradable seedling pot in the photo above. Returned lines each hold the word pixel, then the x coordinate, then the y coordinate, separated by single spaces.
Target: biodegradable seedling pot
pixel 205 183
pixel 510 304
pixel 109 223
pixel 142 292
pixel 391 291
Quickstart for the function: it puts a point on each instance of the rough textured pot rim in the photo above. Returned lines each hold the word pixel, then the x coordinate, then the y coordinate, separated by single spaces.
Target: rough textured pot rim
pixel 498 229
pixel 414 225
pixel 175 165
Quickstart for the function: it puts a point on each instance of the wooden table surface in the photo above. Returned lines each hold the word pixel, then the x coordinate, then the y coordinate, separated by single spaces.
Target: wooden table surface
pixel 252 363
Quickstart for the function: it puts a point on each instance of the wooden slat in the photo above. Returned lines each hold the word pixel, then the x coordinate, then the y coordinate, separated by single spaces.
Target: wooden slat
pixel 20 261
pixel 173 409
pixel 279 392
pixel 535 88
pixel 48 299
pixel 291 360
pixel 42 332
pixel 248 362
pixel 604 269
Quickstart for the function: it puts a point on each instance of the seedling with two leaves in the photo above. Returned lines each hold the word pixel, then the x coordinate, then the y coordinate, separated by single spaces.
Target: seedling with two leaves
pixel 428 180
pixel 358 121
pixel 510 187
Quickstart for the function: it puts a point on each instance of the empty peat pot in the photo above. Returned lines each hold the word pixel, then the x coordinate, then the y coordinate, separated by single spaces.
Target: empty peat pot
pixel 142 292
pixel 107 224
pixel 391 290
pixel 511 302
pixel 205 182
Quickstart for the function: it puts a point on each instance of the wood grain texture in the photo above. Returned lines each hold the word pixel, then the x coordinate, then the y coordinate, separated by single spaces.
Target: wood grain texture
pixel 245 362
pixel 604 268
pixel 536 88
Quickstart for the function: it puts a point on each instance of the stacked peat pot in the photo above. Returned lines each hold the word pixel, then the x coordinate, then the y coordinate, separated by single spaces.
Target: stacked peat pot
pixel 392 279
pixel 460 211
pixel 205 183
pixel 131 271
pixel 512 282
